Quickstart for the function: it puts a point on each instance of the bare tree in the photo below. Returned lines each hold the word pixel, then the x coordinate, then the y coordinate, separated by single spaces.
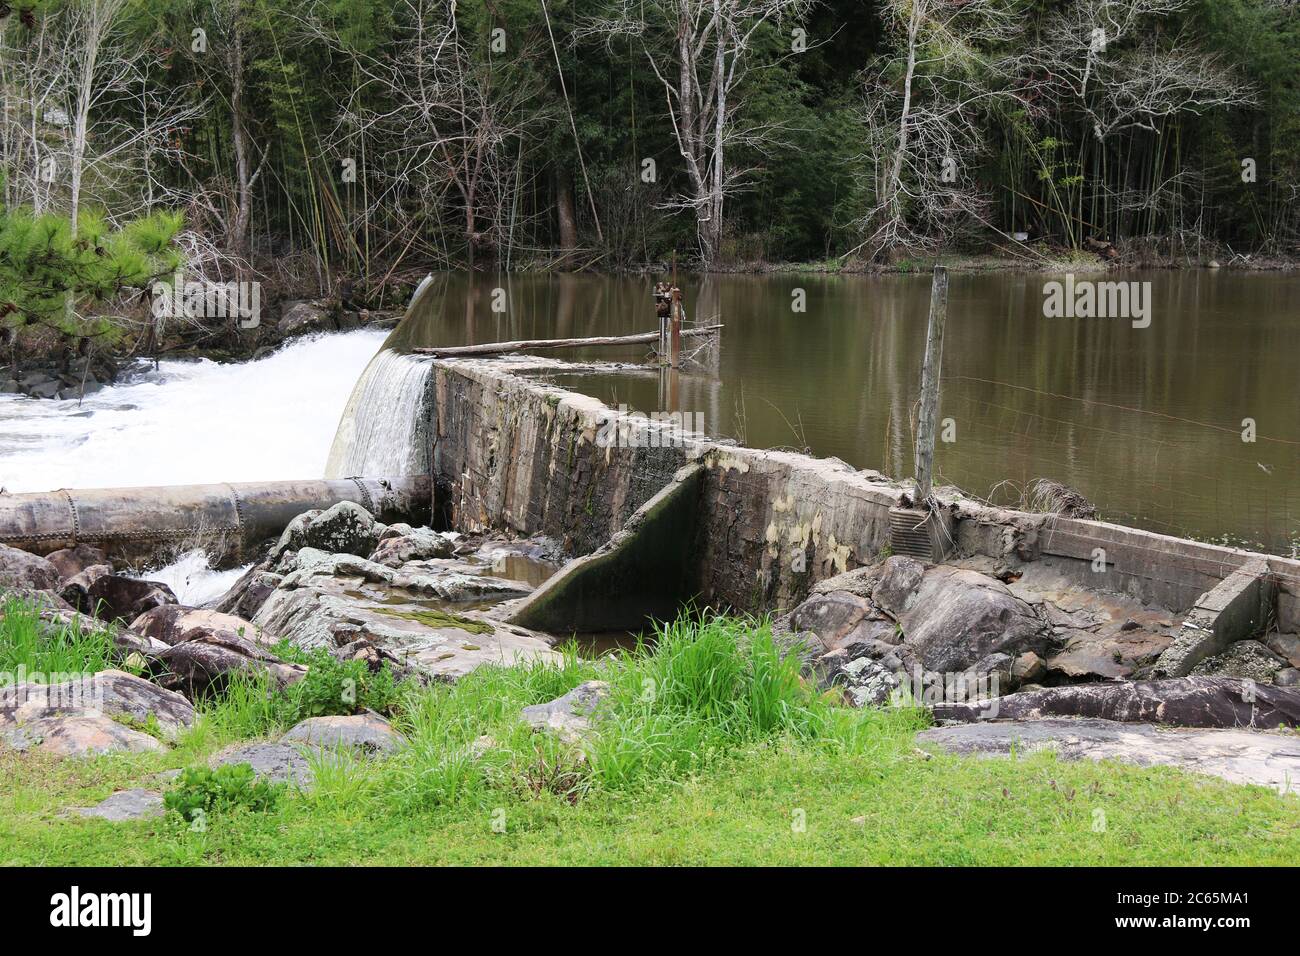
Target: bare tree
pixel 441 123
pixel 1105 69
pixel 81 119
pixel 920 114
pixel 701 50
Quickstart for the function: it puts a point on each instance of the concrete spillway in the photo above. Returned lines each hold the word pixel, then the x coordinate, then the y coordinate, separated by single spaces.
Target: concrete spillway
pixel 229 520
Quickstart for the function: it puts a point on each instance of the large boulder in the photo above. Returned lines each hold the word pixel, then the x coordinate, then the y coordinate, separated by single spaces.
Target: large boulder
pixel 366 732
pixel 1242 756
pixel 113 597
pixel 914 617
pixel 112 692
pixel 20 570
pixel 72 561
pixel 272 762
pixel 203 660
pixel 171 622
pixel 569 716
pixel 81 735
pixel 345 528
pixel 402 543
pixel 76 588
pixel 247 595
pixel 1177 701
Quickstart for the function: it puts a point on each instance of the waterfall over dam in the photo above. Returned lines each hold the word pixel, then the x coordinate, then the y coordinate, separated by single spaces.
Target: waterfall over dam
pixel 384 427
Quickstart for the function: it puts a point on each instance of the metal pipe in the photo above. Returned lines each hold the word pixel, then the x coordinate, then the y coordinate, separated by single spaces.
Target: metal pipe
pixel 231 521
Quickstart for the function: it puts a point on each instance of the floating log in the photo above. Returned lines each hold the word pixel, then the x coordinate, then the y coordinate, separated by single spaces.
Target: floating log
pixel 600 341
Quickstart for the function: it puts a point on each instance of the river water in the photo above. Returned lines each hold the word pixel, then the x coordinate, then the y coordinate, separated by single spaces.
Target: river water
pixel 1146 422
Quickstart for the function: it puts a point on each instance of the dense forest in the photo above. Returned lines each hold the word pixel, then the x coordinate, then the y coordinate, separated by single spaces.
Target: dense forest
pixel 340 144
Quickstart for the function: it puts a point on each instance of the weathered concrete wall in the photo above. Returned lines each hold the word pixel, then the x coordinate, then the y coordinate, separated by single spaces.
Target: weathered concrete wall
pixel 529 457
pixel 525 455
pixel 643 572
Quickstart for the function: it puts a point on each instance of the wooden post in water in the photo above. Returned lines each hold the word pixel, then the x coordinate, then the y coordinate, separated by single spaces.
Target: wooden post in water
pixel 675 345
pixel 926 420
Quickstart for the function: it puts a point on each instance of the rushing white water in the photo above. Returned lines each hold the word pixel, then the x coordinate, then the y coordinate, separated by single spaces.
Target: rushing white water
pixel 190 422
pixel 382 429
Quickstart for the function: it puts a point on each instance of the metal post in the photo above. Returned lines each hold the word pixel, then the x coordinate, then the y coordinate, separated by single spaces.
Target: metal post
pixel 926 420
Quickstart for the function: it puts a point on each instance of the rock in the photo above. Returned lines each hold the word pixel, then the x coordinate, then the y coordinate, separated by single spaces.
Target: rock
pixel 1179 702
pixel 345 528
pixel 867 683
pixel 919 617
pixel 1027 668
pixel 1287 645
pixel 834 618
pixel 1241 756
pixel 117 597
pixel 299 318
pixel 1111 655
pixel 170 622
pixel 568 716
pixel 82 735
pixel 126 805
pixel 72 561
pixel 112 693
pixel 375 657
pixel 416 545
pixel 76 589
pixel 10 386
pixel 275 763
pixel 366 732
pixel 900 580
pixel 1287 677
pixel 21 570
pixel 203 660
pixel 1246 659
pixel 247 595
pixel 47 389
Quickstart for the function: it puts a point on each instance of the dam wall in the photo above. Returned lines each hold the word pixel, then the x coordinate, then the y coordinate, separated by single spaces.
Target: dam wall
pixel 514 452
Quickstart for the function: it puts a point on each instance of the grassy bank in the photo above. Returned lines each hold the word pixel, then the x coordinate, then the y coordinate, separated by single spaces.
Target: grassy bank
pixel 711 750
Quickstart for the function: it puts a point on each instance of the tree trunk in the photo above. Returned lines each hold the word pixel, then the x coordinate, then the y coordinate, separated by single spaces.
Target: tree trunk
pixel 564 208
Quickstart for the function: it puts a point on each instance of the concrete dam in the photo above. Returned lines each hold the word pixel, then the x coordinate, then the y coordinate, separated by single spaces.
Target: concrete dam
pixel 644 517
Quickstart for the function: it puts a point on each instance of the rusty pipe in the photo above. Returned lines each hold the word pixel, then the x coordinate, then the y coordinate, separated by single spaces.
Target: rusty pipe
pixel 231 521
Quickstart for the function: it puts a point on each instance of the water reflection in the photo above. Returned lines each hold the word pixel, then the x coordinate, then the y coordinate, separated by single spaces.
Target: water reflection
pixel 1146 422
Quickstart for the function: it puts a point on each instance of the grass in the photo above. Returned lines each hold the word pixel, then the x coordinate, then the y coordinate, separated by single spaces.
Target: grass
pixel 710 749
pixel 40 650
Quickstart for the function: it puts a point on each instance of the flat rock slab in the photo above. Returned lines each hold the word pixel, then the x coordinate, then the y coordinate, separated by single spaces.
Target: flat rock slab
pixel 366 732
pixel 88 735
pixel 126 805
pixel 111 692
pixel 1240 756
pixel 277 763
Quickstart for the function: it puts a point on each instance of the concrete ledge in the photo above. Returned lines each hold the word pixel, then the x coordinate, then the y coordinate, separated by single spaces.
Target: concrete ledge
pixel 643 571
pixel 1237 608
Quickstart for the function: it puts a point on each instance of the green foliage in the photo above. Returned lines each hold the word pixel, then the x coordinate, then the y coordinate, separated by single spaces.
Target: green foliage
pixel 202 790
pixel 50 647
pixel 339 687
pixel 48 276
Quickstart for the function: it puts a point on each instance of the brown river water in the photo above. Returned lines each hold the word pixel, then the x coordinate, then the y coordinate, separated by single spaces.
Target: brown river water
pixel 1146 422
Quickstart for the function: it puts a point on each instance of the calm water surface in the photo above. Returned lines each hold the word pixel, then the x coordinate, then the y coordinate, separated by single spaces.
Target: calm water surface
pixel 1147 423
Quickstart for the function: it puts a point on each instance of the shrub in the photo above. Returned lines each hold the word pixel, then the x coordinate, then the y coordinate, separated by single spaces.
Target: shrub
pixel 202 790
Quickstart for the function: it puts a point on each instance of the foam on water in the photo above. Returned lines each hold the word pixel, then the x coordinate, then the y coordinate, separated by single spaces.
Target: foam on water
pixel 190 423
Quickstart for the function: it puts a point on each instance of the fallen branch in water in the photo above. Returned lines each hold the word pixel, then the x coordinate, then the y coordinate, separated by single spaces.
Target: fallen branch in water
pixel 497 348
